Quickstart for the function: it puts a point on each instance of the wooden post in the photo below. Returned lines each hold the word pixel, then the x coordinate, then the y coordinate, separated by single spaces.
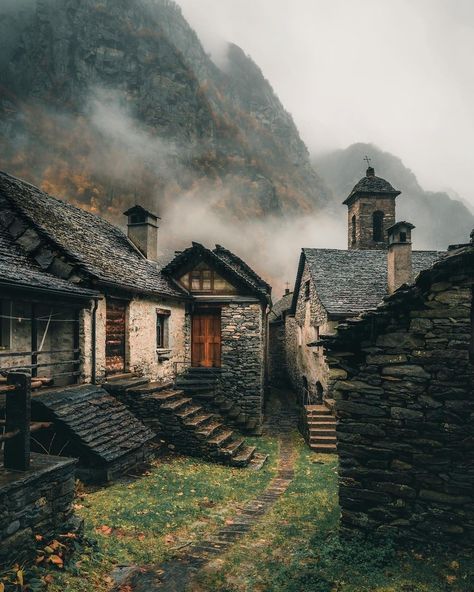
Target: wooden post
pixel 34 340
pixel 18 416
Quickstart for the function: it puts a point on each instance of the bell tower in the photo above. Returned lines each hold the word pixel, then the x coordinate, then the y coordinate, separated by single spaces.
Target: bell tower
pixel 371 212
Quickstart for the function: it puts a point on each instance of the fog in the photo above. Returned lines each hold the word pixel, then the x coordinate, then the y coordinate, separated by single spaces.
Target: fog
pixel 397 73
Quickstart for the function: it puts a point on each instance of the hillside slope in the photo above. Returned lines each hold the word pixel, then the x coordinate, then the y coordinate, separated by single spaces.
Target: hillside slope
pixel 439 220
pixel 111 101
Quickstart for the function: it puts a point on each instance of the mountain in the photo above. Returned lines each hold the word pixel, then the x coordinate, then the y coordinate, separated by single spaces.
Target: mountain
pixel 109 102
pixel 439 219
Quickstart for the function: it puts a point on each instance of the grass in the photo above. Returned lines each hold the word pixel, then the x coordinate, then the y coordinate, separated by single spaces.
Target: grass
pixel 147 520
pixel 296 548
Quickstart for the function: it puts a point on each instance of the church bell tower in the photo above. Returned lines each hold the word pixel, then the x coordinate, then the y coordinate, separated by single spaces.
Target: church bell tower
pixel 371 212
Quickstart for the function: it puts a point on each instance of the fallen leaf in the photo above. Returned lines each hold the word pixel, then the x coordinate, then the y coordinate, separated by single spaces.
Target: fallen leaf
pixel 48 579
pixel 454 565
pixel 228 522
pixel 141 536
pixel 104 529
pixel 56 560
pixel 450 579
pixel 20 578
pixel 38 537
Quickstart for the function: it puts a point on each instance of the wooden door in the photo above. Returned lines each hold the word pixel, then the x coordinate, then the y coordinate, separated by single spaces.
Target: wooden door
pixel 206 340
pixel 115 336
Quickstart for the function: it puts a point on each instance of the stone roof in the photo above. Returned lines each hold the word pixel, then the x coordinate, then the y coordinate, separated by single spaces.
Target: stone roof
pixel 371 185
pixel 225 262
pixel 98 423
pixel 282 306
pixel 97 247
pixel 349 282
pixel 17 269
pixel 455 264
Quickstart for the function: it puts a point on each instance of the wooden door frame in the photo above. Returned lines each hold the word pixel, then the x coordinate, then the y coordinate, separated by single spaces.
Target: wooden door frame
pixel 125 302
pixel 210 310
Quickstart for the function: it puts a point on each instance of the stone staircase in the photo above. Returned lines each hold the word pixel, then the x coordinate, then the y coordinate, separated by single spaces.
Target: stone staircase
pixel 321 429
pixel 181 421
pixel 203 385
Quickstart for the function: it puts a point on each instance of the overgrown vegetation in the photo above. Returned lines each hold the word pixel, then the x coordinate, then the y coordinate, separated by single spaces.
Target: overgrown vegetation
pixel 296 548
pixel 146 520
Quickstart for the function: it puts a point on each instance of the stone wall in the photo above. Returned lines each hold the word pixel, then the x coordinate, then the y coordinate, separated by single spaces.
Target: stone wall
pixel 142 356
pixel 363 210
pixel 38 501
pixel 277 369
pixel 406 411
pixel 243 358
pixel 305 362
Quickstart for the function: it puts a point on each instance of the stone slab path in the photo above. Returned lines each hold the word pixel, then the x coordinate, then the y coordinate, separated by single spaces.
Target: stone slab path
pixel 178 573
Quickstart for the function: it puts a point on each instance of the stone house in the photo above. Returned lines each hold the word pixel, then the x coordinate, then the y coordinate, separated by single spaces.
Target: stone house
pixel 405 407
pixel 136 317
pixel 334 284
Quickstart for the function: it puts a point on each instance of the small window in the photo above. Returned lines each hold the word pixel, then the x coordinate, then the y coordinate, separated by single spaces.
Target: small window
pixel 354 230
pixel 377 221
pixel 307 290
pixel 162 329
pixel 299 336
pixel 403 237
pixel 5 324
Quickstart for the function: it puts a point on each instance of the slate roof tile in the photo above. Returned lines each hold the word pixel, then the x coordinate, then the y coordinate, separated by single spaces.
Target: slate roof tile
pixel 281 306
pixel 18 269
pixel 110 431
pixel 98 247
pixel 352 281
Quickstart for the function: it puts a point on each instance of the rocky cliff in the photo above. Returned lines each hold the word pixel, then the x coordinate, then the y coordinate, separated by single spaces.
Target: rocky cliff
pixel 109 102
pixel 439 219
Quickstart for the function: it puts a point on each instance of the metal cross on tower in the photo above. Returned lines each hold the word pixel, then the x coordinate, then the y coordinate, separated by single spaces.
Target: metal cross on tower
pixel 367 159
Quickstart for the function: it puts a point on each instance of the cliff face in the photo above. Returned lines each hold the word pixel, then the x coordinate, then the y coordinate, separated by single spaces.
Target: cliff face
pixel 439 219
pixel 112 101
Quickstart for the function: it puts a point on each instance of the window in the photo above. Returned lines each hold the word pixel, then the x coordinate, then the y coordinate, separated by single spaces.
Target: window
pixel 204 279
pixel 307 290
pixel 299 336
pixel 403 237
pixel 353 230
pixel 162 329
pixel 5 324
pixel 377 221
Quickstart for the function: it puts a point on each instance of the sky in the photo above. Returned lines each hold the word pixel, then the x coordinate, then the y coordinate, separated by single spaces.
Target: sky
pixel 397 73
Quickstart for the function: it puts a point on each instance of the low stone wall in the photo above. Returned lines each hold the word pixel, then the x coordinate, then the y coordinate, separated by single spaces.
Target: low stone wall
pixel 38 501
pixel 243 359
pixel 405 413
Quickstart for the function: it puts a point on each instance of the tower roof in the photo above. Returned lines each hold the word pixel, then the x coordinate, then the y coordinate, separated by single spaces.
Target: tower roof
pixel 371 185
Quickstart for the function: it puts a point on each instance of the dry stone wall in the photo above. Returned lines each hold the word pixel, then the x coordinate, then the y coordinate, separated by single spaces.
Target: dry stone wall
pixel 243 359
pixel 36 502
pixel 406 411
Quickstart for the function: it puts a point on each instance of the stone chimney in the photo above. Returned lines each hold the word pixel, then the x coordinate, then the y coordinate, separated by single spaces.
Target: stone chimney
pixel 399 259
pixel 143 231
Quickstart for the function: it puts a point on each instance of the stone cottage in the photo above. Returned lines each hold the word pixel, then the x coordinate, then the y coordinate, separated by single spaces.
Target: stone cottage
pixel 140 322
pixel 405 408
pixel 333 285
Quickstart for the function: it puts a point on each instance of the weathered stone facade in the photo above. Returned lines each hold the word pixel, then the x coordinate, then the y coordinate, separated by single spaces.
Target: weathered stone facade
pixel 406 411
pixel 38 501
pixel 142 356
pixel 307 368
pixel 277 367
pixel 243 358
pixel 361 212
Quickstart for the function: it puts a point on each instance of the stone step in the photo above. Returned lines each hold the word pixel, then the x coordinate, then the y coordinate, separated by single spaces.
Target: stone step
pixel 151 387
pixel 176 405
pixel 233 448
pixel 317 410
pixel 202 370
pixel 244 456
pixel 199 421
pixel 324 448
pixel 223 436
pixel 117 385
pixel 208 430
pixel 322 420
pixel 189 412
pixel 323 440
pixel 196 388
pixel 165 396
pixel 318 432
pixel 257 460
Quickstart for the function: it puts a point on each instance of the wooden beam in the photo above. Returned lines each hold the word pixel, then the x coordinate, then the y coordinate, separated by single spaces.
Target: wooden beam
pixel 18 417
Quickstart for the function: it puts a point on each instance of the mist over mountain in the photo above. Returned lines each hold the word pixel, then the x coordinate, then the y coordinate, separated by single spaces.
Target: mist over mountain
pixel 439 219
pixel 111 101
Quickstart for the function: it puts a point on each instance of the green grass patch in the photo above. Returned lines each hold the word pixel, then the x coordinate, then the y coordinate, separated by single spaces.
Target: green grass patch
pixel 148 520
pixel 296 548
